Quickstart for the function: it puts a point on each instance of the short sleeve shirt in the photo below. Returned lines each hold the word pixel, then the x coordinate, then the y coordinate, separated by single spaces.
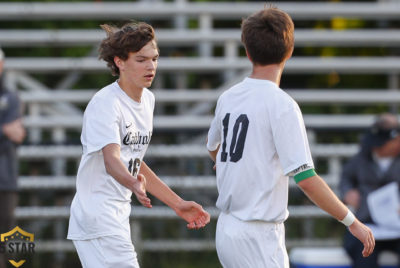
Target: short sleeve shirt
pixel 262 139
pixel 101 205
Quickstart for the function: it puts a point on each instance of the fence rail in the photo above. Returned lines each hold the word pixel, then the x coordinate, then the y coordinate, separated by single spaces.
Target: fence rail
pixel 164 245
pixel 156 212
pixel 303 37
pixel 298 65
pixel 199 122
pixel 28 183
pixel 169 151
pixel 224 10
pixel 302 96
pixel 31 183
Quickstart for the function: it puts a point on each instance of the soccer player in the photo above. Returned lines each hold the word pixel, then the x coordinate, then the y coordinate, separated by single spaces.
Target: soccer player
pixel 257 140
pixel 117 128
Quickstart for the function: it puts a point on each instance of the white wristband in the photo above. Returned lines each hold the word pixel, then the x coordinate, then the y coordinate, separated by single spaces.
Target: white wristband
pixel 349 219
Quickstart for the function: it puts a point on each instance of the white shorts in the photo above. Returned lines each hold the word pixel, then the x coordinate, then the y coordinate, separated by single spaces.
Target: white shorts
pixel 107 252
pixel 250 244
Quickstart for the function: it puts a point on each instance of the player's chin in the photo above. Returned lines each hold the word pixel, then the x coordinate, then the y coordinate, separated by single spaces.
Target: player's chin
pixel 147 82
pixel 146 85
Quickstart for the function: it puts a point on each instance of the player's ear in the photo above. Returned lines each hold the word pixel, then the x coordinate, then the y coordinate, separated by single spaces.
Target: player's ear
pixel 289 55
pixel 248 56
pixel 119 62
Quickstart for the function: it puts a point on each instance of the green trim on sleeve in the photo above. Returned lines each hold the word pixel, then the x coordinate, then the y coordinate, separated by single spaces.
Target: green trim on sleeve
pixel 304 175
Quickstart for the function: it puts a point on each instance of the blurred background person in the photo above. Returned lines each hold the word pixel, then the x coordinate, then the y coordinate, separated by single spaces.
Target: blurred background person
pixel 12 133
pixel 377 164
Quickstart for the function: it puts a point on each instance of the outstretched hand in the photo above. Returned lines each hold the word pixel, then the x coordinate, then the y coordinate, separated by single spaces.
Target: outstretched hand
pixel 193 214
pixel 139 189
pixel 364 234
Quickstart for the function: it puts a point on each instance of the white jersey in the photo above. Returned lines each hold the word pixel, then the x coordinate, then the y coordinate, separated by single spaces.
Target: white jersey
pixel 101 205
pixel 262 140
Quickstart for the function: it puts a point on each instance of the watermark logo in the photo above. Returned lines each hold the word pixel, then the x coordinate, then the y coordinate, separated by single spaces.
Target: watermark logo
pixel 17 242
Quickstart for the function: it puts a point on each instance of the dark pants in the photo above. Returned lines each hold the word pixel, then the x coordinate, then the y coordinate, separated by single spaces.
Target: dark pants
pixel 8 202
pixel 354 248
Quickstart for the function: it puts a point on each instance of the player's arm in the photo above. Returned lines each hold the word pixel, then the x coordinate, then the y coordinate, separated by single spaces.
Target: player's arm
pixel 213 154
pixel 116 168
pixel 190 211
pixel 213 139
pixel 348 184
pixel 321 194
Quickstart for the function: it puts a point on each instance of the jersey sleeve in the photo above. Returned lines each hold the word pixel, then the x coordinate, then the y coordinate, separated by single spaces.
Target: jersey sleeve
pixel 214 133
pixel 291 141
pixel 101 125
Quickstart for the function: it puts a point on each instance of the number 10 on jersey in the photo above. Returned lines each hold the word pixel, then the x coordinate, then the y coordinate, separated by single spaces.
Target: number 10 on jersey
pixel 238 138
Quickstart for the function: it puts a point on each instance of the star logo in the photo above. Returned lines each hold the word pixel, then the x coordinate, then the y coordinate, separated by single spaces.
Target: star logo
pixel 17 241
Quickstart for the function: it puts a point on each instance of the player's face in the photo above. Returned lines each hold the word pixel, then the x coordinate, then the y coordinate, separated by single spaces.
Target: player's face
pixel 140 67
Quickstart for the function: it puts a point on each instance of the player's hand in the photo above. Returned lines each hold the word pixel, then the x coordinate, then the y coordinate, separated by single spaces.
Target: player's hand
pixel 139 189
pixel 193 214
pixel 14 131
pixel 364 234
pixel 352 198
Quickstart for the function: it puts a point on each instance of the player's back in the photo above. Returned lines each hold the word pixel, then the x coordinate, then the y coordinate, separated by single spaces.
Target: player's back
pixel 250 179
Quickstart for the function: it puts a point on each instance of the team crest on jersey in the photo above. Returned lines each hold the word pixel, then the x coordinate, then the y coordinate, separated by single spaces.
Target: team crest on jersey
pixel 135 138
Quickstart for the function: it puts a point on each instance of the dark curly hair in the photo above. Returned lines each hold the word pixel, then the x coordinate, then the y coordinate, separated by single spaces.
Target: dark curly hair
pixel 268 36
pixel 119 42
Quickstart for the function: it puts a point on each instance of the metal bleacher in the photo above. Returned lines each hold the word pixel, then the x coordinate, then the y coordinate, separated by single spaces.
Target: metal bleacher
pixel 53 112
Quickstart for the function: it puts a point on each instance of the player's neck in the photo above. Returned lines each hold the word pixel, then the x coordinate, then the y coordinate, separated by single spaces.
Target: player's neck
pixel 272 72
pixel 132 91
